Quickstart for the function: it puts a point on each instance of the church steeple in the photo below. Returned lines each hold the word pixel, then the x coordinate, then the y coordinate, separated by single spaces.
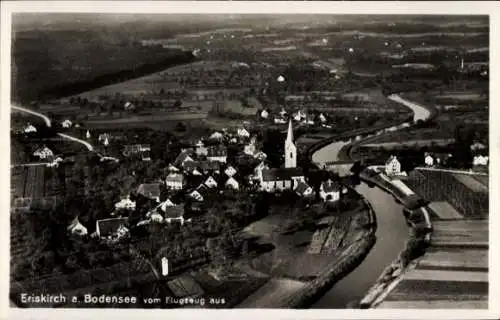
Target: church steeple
pixel 289 136
pixel 290 149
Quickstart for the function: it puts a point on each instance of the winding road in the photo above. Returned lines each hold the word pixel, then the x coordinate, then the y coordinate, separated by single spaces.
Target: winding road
pixel 48 123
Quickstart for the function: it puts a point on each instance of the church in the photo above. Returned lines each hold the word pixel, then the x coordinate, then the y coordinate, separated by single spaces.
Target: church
pixel 289 177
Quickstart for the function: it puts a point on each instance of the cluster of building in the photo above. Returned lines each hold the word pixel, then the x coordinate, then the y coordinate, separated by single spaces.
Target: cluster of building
pixel 205 168
pixel 299 116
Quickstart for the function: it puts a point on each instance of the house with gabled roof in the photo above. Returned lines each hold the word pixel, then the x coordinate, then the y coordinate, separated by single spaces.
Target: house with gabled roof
pixel 243 133
pixel 200 148
pixel 111 227
pixel 232 184
pixel 166 204
pixel 175 213
pixel 392 166
pixel 173 169
pixel 329 191
pixel 150 191
pixel 304 190
pixel 30 128
pixel 76 228
pixel 216 136
pixel 230 171
pixel 125 204
pixel 44 153
pixel 183 158
pixel 278 179
pixel 210 182
pixel 67 123
pixel 196 195
pixel 264 114
pixel 175 181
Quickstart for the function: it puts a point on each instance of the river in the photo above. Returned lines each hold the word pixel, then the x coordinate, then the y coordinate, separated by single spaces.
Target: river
pixel 392 232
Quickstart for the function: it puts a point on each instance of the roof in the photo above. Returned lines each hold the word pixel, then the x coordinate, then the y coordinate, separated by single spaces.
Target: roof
pixel 74 223
pixel 203 165
pixel 231 180
pixel 175 177
pixel 110 226
pixel 391 158
pixel 302 187
pixel 330 186
pixel 149 190
pixel 174 212
pixel 281 174
pixel 182 156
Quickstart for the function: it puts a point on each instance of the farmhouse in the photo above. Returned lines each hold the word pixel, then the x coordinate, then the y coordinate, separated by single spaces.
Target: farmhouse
pixel 174 214
pixel 175 181
pixel 67 123
pixel 196 195
pixel 43 153
pixel 217 136
pixel 217 153
pixel 126 204
pixel 243 133
pixel 230 171
pixel 150 191
pixel 165 204
pixel 392 166
pixel 29 128
pixel 329 191
pixel 304 190
pixel 112 227
pixel 264 114
pixel 232 183
pixel 210 182
pixel 77 228
pixel 429 160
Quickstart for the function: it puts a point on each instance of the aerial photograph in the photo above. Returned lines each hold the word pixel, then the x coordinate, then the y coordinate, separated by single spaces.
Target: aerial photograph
pixel 220 161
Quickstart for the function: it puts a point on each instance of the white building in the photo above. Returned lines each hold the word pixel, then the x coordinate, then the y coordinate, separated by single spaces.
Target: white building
pixel 210 182
pixel 392 166
pixel 77 228
pixel 264 114
pixel 279 120
pixel 126 204
pixel 230 171
pixel 232 183
pixel 243 133
pixel 87 135
pixel 43 153
pixel 322 117
pixel 67 123
pixel 304 190
pixel 480 161
pixel 216 136
pixel 196 195
pixel 166 204
pixel 29 128
pixel 329 191
pixel 429 160
pixel 175 181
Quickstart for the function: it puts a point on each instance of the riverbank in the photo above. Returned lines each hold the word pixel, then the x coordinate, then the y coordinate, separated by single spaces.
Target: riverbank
pixel 420 232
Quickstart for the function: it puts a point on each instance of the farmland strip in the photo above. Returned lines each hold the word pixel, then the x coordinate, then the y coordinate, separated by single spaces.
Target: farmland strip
pixel 441 275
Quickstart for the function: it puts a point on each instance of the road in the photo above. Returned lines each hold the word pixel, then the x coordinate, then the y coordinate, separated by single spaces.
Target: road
pixel 48 122
pixel 419 112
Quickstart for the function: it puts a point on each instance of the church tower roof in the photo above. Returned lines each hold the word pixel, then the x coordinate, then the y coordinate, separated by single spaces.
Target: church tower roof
pixel 289 136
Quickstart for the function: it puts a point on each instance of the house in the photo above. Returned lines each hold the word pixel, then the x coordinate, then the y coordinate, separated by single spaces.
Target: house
pixel 196 195
pixel 243 133
pixel 250 149
pixel 217 153
pixel 392 166
pixel 264 114
pixel 103 136
pixel 173 169
pixel 230 171
pixel 277 179
pixel 429 160
pixel 43 153
pixel 210 182
pixel 322 117
pixel 442 158
pixel 279 120
pixel 232 184
pixel 480 160
pixel 200 149
pixel 87 135
pixel 67 123
pixel 217 136
pixel 203 166
pixel 143 150
pixel 299 116
pixel 196 172
pixel 165 204
pixel 150 191
pixel 329 191
pixel 477 146
pixel 258 170
pixel 129 106
pixel 304 190
pixel 260 156
pixel 175 213
pixel 125 204
pixel 183 157
pixel 30 128
pixel 156 217
pixel 175 181
pixel 106 142
pixel 283 112
pixel 112 227
pixel 77 228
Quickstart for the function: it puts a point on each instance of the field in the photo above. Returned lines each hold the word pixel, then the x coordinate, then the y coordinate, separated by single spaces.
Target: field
pixel 471 182
pixel 444 211
pixel 443 186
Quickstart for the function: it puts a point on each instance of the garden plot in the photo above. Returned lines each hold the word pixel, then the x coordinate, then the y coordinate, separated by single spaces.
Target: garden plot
pixel 471 182
pixel 471 259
